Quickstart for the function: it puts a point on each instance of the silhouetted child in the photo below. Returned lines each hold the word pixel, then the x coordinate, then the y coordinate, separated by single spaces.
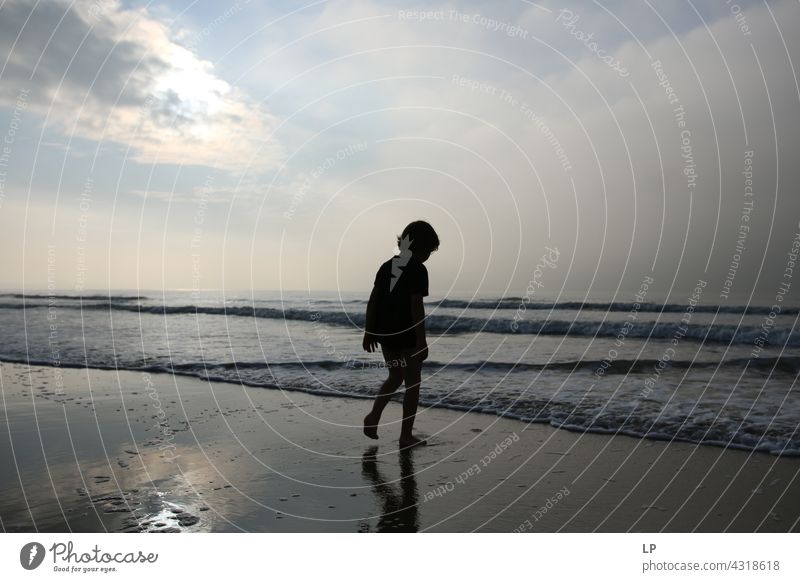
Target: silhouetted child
pixel 396 320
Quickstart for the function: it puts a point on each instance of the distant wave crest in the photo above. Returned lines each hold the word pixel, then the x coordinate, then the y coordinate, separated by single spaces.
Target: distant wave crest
pixel 448 324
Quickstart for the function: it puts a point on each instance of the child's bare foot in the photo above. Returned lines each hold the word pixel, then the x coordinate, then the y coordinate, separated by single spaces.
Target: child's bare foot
pixel 370 427
pixel 412 441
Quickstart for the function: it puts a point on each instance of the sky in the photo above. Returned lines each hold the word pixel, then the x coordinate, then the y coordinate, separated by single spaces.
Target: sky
pixel 284 145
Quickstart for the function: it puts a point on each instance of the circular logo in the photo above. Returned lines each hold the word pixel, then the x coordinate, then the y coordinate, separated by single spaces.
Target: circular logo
pixel 31 555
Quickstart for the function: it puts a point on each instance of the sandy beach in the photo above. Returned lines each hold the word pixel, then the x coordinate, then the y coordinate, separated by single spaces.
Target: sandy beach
pixel 97 450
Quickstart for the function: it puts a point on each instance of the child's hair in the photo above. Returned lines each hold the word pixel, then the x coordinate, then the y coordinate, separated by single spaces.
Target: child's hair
pixel 423 238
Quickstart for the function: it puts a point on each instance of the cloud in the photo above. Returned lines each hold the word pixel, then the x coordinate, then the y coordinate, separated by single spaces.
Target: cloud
pixel 630 192
pixel 479 158
pixel 103 72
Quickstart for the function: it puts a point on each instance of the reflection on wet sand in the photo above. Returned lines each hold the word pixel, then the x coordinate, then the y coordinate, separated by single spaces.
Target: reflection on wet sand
pixel 398 502
pixel 91 496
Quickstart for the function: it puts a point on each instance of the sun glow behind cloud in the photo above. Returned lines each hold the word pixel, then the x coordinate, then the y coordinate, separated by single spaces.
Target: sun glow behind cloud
pixel 462 124
pixel 123 79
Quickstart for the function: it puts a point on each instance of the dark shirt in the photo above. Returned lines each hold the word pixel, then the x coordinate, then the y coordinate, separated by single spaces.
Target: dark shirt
pixel 394 326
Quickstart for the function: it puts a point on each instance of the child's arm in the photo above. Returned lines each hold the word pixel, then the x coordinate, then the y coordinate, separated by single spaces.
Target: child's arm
pixel 369 343
pixel 418 319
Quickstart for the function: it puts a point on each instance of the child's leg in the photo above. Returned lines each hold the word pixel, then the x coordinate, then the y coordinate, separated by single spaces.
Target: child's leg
pixel 389 387
pixel 413 377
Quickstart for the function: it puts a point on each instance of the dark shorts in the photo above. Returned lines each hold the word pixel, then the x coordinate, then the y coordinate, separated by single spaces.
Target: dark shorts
pixel 400 357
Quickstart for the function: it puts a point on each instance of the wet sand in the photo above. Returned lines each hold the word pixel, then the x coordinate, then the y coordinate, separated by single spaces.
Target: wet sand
pixel 95 450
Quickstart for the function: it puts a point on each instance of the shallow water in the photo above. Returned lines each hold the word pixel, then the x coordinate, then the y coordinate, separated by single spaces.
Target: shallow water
pixel 599 367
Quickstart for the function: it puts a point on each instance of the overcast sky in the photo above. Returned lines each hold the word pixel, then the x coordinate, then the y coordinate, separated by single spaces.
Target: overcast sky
pixel 283 145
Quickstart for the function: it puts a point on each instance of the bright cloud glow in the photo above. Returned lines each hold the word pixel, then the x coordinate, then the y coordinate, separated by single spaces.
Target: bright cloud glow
pixel 124 80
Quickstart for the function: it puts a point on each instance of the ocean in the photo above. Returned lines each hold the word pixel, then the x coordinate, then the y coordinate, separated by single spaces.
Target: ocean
pixel 708 374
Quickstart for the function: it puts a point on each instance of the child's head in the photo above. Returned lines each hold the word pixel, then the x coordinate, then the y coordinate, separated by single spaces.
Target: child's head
pixel 424 239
